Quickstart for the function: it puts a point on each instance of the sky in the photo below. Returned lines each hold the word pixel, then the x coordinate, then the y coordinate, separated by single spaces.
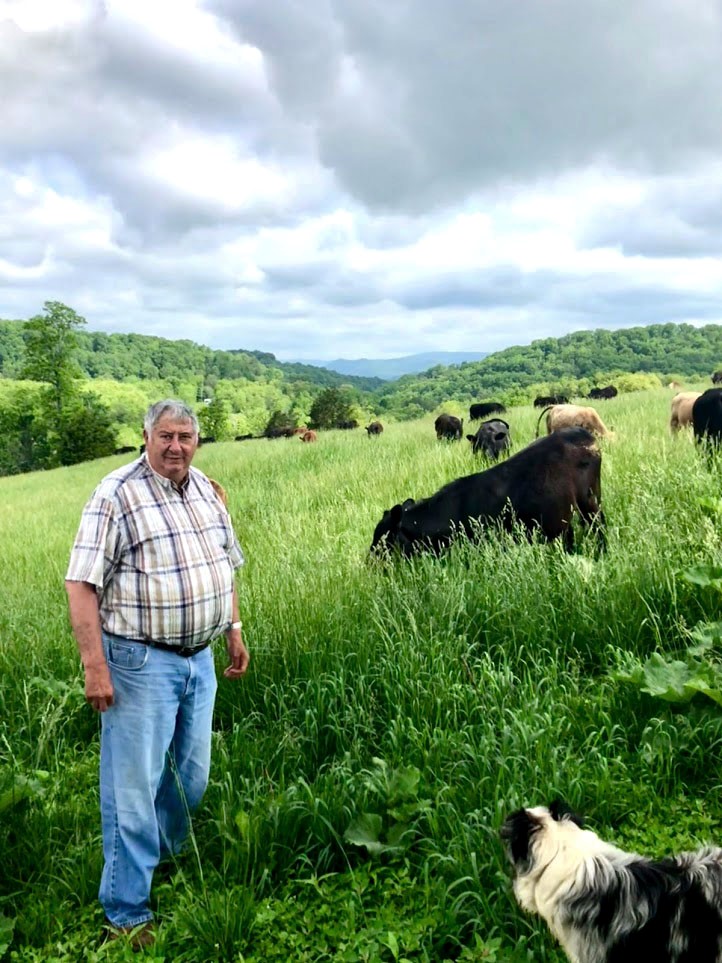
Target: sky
pixel 361 178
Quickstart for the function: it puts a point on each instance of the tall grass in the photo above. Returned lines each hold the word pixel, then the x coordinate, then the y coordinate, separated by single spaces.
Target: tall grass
pixel 486 672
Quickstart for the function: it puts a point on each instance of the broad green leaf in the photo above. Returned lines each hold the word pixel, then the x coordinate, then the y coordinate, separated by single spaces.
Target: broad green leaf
pixel 7 928
pixel 366 831
pixel 667 680
pixel 707 576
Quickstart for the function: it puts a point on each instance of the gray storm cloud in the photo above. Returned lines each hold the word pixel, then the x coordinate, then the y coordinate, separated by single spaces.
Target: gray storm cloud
pixel 316 159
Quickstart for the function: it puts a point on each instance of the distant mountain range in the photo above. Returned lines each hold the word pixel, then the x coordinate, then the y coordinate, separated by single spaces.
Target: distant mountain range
pixel 391 368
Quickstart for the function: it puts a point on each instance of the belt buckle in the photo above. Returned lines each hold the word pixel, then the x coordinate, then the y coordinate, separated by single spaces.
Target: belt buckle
pixel 186 650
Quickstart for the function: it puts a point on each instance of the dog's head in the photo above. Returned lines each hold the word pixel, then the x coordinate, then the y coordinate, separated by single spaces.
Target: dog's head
pixel 533 834
pixel 546 846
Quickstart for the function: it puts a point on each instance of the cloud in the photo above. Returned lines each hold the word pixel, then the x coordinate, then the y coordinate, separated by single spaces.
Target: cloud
pixel 312 177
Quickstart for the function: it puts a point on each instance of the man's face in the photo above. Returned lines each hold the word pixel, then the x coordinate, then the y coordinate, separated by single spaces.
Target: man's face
pixel 170 447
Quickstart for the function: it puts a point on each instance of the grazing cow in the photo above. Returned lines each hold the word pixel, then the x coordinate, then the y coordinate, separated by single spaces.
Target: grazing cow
pixel 286 432
pixel 491 439
pixel 309 435
pixel 484 409
pixel 682 405
pixel 243 437
pixel 568 416
pixel 347 425
pixel 601 393
pixel 539 487
pixel 717 378
pixel 449 427
pixel 125 450
pixel 707 417
pixel 544 401
pixel 210 440
pixel 375 428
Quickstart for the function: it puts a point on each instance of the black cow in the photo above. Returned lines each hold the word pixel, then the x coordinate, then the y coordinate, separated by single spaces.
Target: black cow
pixel 285 432
pixel 491 439
pixel 717 378
pixel 484 409
pixel 125 450
pixel 243 437
pixel 601 393
pixel 141 449
pixel 209 440
pixel 347 425
pixel 545 401
pixel 539 487
pixel 449 427
pixel 707 417
pixel 375 428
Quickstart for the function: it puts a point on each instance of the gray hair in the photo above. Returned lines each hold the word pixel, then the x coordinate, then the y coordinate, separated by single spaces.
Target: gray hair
pixel 177 410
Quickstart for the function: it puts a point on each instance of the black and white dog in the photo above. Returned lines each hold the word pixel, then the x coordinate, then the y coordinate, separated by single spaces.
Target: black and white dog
pixel 608 906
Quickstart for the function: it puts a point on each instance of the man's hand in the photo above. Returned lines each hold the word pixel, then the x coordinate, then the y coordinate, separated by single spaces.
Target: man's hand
pixel 98 686
pixel 237 655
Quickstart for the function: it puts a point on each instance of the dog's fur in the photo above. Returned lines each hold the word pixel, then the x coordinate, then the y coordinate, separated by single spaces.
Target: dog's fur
pixel 608 906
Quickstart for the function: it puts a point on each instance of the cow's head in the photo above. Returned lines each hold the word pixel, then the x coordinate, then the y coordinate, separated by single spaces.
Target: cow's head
pixel 389 533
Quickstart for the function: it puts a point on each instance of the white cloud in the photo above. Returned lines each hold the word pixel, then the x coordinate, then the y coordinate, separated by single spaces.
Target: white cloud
pixel 353 177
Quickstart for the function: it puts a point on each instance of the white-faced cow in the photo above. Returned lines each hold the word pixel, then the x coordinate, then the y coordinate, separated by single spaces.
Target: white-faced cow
pixel 491 438
pixel 449 427
pixel 682 405
pixel 540 487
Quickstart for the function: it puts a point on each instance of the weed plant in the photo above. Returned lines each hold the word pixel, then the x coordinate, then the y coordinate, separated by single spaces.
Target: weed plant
pixel 393 713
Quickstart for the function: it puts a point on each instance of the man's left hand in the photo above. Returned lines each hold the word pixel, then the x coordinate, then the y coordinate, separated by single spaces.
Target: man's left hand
pixel 237 655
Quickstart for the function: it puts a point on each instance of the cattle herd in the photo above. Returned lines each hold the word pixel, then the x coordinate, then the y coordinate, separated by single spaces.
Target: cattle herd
pixel 537 490
pixel 540 488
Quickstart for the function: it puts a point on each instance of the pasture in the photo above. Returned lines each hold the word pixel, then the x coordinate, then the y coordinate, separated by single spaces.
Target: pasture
pixel 392 715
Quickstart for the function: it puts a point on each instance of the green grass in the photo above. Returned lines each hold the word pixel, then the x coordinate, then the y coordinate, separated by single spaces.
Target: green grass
pixel 486 672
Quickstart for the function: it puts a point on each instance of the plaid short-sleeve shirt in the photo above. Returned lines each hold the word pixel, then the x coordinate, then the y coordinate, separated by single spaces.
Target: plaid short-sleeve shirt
pixel 161 558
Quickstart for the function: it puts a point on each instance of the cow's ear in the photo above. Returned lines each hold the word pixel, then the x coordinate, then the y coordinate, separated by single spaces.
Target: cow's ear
pixel 395 515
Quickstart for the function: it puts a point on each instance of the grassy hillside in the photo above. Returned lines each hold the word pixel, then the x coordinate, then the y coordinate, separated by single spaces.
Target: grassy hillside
pixel 417 703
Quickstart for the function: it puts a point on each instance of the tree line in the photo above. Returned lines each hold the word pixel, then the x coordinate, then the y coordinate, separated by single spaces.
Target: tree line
pixel 68 395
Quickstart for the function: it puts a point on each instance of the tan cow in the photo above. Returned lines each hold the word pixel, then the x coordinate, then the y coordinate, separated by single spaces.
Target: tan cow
pixel 682 405
pixel 309 435
pixel 575 416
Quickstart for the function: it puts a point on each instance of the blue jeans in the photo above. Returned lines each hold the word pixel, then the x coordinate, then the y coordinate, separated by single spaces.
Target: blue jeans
pixel 155 753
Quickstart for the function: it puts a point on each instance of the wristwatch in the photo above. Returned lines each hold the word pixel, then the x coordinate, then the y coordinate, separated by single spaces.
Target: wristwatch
pixel 236 625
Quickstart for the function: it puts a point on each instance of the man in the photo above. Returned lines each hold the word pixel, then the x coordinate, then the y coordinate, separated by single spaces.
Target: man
pixel 150 584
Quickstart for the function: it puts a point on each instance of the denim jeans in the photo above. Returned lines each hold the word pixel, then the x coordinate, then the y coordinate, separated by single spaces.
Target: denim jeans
pixel 155 752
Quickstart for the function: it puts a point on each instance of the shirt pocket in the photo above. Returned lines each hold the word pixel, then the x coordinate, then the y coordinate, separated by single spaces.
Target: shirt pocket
pixel 127 655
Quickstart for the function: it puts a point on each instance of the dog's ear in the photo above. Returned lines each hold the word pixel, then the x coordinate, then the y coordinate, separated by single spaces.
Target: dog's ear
pixel 517 832
pixel 560 810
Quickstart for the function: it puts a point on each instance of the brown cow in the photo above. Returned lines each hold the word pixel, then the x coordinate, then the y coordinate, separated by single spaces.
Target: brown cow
pixel 682 405
pixel 375 428
pixel 309 435
pixel 571 416
pixel 219 490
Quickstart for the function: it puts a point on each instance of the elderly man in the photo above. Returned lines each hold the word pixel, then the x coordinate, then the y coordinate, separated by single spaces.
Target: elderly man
pixel 150 584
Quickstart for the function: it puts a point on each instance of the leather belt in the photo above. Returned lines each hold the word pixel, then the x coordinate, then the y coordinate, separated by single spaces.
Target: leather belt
pixel 185 650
